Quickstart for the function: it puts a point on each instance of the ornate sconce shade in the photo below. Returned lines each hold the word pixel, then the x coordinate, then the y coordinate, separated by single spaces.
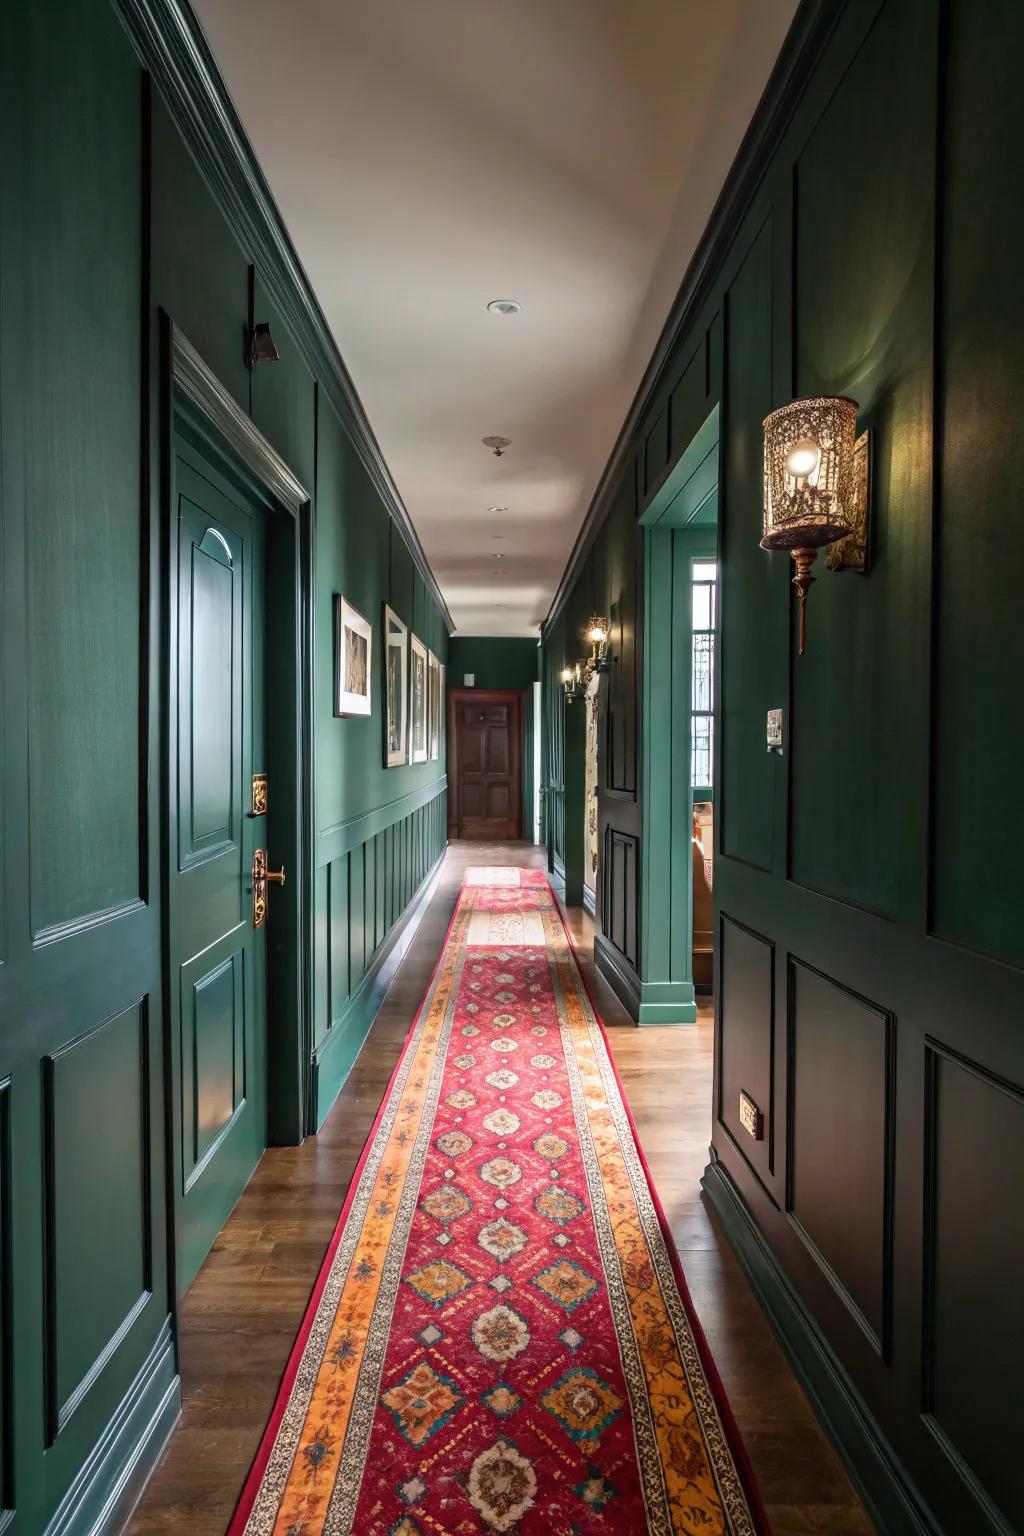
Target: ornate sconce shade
pixel 808 482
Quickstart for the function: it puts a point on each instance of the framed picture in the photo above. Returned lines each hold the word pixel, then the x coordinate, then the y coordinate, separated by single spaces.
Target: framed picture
pixel 417 701
pixel 353 641
pixel 433 707
pixel 396 688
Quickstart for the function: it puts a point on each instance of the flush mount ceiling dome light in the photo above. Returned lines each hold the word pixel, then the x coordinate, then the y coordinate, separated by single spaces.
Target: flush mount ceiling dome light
pixel 497 509
pixel 497 445
pixel 504 307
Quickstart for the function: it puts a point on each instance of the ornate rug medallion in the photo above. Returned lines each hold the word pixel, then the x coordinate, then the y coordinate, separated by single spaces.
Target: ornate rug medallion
pixel 500 1338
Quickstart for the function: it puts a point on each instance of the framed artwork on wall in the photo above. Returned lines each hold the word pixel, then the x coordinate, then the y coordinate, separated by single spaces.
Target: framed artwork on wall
pixel 417 701
pixel 353 645
pixel 433 707
pixel 396 688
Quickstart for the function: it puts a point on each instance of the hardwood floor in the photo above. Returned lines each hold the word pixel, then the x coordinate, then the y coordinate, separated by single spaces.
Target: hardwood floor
pixel 240 1316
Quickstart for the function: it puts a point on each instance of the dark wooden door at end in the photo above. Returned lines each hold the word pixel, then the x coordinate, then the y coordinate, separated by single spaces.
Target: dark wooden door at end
pixel 486 737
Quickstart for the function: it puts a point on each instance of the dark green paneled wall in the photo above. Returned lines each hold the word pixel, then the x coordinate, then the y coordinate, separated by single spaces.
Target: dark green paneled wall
pixel 864 877
pixel 494 662
pixel 104 223
pixel 84 1325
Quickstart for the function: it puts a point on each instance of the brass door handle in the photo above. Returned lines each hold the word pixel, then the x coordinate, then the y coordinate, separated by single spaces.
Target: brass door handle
pixel 261 877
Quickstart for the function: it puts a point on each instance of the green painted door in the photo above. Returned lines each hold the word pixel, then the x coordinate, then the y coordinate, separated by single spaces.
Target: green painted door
pixel 217 956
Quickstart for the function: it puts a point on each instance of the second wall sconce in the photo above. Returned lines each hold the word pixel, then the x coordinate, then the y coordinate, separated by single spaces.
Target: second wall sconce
pixel 815 487
pixel 573 682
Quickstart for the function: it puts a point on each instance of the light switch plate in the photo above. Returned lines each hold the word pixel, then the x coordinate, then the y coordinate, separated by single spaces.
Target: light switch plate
pixel 469 679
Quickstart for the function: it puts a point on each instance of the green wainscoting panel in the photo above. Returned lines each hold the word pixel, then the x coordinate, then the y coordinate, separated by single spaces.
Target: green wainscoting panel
pixel 753 587
pixel 200 274
pixel 871 239
pixel 80 293
pixel 980 641
pixel 376 876
pixel 97 1206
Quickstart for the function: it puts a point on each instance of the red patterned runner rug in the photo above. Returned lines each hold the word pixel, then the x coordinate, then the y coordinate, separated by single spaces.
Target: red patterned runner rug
pixel 500 1339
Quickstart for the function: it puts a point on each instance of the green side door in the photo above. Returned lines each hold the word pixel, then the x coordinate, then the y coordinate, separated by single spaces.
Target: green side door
pixel 217 956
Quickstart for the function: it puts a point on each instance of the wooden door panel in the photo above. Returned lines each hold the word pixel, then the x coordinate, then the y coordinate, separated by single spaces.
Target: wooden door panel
pixel 497 753
pixel 499 801
pixel 485 764
pixel 474 742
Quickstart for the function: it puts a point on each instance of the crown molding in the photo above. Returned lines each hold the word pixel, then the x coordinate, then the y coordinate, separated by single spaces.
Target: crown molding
pixel 172 46
pixel 804 43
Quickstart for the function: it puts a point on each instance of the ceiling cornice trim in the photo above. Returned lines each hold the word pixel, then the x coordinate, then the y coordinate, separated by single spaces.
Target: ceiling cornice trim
pixel 804 43
pixel 171 43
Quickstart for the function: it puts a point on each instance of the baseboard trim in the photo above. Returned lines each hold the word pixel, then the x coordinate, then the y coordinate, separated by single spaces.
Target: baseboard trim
pixel 891 1498
pixel 110 1483
pixel 336 1054
pixel 619 974
pixel 667 1002
pixel 589 900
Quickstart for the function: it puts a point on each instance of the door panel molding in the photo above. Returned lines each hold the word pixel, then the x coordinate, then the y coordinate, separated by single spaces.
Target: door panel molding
pixel 61 1400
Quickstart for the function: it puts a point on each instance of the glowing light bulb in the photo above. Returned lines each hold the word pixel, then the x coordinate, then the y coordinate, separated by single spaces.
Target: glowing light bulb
pixel 566 674
pixel 803 459
pixel 597 634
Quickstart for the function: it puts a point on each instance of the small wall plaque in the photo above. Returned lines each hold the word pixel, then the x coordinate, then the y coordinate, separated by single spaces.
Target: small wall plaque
pixel 751 1117
pixel 774 731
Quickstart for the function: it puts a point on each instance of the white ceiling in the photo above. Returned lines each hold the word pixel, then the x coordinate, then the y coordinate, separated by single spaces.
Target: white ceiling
pixel 431 155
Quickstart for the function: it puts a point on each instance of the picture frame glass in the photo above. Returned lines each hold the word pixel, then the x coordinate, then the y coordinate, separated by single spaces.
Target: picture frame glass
pixel 396 689
pixel 418 702
pixel 353 647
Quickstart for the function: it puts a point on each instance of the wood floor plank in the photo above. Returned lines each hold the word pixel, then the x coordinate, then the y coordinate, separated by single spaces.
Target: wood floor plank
pixel 241 1314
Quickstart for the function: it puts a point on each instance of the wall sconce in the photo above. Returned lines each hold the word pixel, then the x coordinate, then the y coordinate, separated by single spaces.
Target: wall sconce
pixel 260 346
pixel 597 633
pixel 573 682
pixel 815 486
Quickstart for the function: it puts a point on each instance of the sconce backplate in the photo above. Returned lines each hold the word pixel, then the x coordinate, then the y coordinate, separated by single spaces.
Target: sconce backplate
pixel 854 552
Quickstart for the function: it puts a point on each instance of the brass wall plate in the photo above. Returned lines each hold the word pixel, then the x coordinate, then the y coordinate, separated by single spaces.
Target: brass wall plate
pixel 259 794
pixel 854 552
pixel 751 1117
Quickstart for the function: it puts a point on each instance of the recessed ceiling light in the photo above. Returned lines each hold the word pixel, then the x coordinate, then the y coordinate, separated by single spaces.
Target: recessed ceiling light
pixel 497 509
pixel 504 306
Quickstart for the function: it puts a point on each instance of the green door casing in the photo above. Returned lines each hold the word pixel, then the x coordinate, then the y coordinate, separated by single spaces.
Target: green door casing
pixel 217 957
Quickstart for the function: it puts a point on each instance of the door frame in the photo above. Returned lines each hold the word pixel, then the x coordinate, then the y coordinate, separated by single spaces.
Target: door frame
pixel 194 398
pixel 458 696
pixel 679 526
